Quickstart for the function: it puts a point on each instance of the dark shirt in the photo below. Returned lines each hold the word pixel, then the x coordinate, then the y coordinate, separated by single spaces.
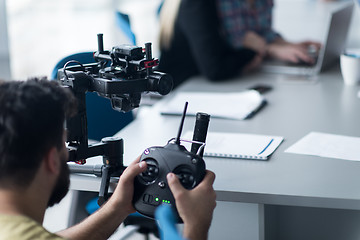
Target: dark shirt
pixel 198 47
pixel 240 16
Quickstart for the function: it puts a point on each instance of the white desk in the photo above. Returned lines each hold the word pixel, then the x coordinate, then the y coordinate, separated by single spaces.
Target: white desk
pixel 295 108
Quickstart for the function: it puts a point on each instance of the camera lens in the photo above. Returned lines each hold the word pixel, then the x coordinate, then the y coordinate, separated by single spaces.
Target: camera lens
pixel 160 82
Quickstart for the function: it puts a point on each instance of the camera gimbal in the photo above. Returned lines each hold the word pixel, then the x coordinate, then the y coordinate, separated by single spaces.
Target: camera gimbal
pixel 120 75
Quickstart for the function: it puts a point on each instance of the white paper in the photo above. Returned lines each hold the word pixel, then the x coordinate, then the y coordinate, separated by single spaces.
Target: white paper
pixel 328 145
pixel 237 105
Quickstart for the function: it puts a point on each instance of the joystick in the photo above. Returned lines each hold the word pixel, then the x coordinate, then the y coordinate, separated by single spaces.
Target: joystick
pixel 151 173
pixel 151 187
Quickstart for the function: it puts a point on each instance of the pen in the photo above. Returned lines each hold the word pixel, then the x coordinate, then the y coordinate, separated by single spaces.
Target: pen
pixel 261 106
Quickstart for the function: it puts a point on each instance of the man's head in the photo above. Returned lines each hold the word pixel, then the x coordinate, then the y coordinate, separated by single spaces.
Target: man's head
pixel 32 116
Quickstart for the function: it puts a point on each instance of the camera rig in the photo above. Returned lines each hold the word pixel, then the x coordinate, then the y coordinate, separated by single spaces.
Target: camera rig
pixel 120 75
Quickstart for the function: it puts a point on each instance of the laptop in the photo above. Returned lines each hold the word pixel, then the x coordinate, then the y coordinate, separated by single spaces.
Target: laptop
pixel 329 53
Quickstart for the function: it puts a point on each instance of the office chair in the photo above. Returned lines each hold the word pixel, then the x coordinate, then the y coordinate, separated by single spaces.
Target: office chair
pixel 123 22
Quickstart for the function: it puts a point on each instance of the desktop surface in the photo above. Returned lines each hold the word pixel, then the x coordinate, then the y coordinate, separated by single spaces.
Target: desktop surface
pixel 295 108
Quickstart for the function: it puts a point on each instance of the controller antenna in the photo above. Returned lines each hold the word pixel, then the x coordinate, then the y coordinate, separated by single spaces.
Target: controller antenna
pixel 177 141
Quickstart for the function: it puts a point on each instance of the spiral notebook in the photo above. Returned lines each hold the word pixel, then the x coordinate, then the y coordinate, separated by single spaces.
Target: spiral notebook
pixel 239 145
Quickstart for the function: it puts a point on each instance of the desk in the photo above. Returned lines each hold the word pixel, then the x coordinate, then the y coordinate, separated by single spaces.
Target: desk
pixel 296 107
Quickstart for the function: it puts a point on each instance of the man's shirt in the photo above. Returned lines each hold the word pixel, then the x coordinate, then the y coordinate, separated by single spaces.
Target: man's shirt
pixel 23 228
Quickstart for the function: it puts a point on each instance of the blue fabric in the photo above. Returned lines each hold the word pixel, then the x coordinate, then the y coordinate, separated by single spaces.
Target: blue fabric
pixel 164 215
pixel 123 22
pixel 167 223
pixel 160 7
pixel 83 57
pixel 92 206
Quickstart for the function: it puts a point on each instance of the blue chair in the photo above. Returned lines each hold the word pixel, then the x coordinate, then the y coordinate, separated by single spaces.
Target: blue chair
pixel 159 8
pixel 123 22
pixel 103 121
pixel 167 225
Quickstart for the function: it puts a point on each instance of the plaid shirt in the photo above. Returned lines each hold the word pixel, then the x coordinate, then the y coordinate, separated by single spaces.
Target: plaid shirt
pixel 239 16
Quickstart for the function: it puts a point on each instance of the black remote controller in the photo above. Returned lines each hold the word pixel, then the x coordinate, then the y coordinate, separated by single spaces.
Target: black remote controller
pixel 151 187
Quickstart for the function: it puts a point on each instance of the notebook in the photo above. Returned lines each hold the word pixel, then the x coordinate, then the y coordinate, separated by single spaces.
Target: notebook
pixel 332 48
pixel 239 145
pixel 218 105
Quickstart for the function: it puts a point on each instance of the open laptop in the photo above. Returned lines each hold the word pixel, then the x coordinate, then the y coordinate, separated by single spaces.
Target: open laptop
pixel 329 53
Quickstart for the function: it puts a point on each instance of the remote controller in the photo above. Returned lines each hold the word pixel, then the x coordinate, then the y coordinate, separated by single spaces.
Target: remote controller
pixel 151 187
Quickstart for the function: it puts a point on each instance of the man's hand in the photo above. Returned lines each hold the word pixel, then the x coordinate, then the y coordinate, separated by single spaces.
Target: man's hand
pixel 195 206
pixel 123 194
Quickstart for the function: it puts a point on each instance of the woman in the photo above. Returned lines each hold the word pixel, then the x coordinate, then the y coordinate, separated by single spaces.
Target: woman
pixel 220 39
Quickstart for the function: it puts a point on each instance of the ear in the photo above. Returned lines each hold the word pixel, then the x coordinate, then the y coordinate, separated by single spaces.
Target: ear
pixel 51 160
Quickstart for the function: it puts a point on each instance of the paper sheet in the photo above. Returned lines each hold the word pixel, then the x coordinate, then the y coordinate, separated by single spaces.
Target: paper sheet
pixel 238 105
pixel 328 145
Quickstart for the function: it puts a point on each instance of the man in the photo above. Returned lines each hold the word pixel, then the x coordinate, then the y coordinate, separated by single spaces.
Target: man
pixel 34 174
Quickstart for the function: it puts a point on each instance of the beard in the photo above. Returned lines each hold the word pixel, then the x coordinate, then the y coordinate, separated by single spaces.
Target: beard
pixel 62 185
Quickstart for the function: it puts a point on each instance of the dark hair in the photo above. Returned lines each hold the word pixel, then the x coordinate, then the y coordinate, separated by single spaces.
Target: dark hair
pixel 32 116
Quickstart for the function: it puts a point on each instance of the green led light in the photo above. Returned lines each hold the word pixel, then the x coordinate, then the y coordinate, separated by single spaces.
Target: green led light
pixel 157 199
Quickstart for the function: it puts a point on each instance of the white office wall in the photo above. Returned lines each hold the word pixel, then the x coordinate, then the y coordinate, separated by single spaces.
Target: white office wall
pixel 4 49
pixel 41 32
pixel 3 29
pixel 298 20
pixel 354 33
